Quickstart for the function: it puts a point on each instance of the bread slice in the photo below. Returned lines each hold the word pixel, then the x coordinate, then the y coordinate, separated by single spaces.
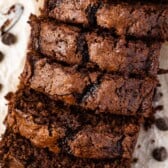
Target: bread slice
pixel 18 152
pixel 96 50
pixel 139 18
pixel 90 90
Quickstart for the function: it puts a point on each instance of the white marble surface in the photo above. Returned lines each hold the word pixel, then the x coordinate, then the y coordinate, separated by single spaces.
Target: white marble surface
pixel 13 64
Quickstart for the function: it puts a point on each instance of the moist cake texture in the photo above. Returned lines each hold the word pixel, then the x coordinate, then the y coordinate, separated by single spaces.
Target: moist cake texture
pixel 104 93
pixel 18 152
pixel 48 124
pixel 68 44
pixel 135 19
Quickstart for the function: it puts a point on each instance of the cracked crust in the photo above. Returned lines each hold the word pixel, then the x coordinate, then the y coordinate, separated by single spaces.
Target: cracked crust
pixel 102 92
pixel 76 11
pixel 49 125
pixel 18 152
pixel 57 42
pixel 140 19
pixel 135 20
pixel 69 45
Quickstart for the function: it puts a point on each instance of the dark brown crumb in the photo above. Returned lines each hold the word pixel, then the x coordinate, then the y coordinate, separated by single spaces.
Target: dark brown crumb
pixel 158 108
pixel 159 154
pixel 159 85
pixel 1 86
pixel 157 96
pixel 162 71
pixel 162 123
pixel 1 56
pixel 152 141
pixel 139 146
pixel 9 39
pixel 9 96
pixel 161 94
pixel 148 123
pixel 135 160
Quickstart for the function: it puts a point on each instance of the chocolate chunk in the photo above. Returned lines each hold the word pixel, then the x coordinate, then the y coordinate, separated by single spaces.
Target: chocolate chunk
pixel 160 154
pixel 9 39
pixel 162 123
pixel 1 56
